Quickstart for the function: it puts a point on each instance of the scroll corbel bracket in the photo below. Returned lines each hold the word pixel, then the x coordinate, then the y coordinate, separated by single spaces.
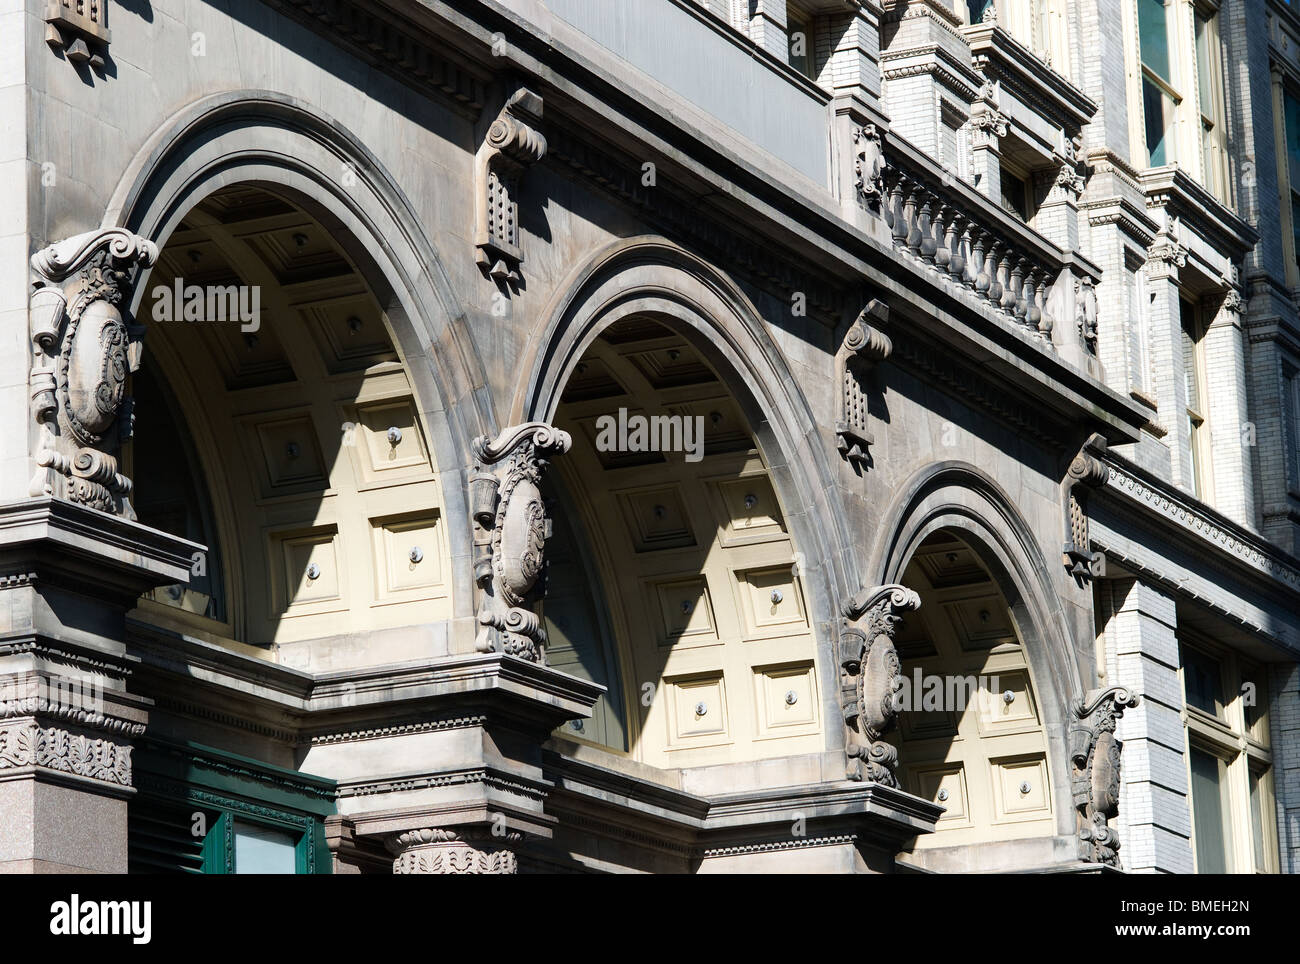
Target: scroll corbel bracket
pixel 869 166
pixel 510 527
pixel 1085 472
pixel 865 345
pixel 513 142
pixel 870 680
pixel 84 345
pixel 1095 754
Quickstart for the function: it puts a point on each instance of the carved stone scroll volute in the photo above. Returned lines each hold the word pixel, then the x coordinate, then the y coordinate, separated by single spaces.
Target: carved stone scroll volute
pixel 870 677
pixel 1084 472
pixel 864 345
pixel 83 348
pixel 512 143
pixel 511 528
pixel 1095 771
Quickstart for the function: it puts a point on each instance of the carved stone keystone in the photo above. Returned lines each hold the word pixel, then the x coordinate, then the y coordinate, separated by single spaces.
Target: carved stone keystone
pixel 1095 770
pixel 83 349
pixel 870 677
pixel 510 532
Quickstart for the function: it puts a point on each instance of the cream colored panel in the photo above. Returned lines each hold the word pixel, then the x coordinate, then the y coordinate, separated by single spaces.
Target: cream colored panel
pixel 724 427
pixel 981 623
pixel 697 711
pixel 686 612
pixel 408 558
pixel 946 786
pixel 308 576
pixel 787 700
pixel 771 601
pixel 997 715
pixel 291 455
pixel 389 443
pixel 1020 789
pixel 656 519
pixel 748 509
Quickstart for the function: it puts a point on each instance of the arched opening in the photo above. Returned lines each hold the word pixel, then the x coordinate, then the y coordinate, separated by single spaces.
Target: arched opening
pixel 971 730
pixel 277 423
pixel 685 544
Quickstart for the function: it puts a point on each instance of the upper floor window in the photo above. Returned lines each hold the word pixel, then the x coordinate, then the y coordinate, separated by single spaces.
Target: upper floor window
pixel 1160 98
pixel 1289 180
pixel 799 28
pixel 1229 761
pixel 1039 25
pixel 1179 80
pixel 1197 437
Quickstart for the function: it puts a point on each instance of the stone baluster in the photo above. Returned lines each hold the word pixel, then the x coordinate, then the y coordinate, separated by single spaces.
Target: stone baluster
pixel 942 238
pixel 1007 299
pixel 911 215
pixel 898 216
pixel 1019 307
pixel 955 241
pixel 925 227
pixel 979 259
pixel 1034 291
pixel 995 276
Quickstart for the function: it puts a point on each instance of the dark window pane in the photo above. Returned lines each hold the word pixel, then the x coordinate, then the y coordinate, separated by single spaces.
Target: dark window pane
pixel 1157 112
pixel 1257 820
pixel 1015 195
pixel 976 9
pixel 1203 681
pixel 1210 813
pixel 1153 36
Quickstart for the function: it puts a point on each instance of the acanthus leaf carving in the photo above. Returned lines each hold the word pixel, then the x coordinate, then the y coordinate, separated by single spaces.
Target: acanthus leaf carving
pixel 84 347
pixel 510 532
pixel 869 166
pixel 870 677
pixel 1095 770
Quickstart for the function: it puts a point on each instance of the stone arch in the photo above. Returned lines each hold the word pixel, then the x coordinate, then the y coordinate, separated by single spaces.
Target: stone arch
pixel 960 498
pixel 650 276
pixel 280 143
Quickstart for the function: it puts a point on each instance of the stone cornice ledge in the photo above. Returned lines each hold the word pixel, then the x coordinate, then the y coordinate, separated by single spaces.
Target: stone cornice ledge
pixel 1202 524
pixel 992 47
pixel 1196 207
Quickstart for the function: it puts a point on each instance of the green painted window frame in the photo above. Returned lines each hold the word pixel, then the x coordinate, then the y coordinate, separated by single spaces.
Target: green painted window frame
pixel 310 852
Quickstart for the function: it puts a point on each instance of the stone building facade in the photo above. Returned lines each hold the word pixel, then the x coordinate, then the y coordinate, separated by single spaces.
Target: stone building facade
pixel 571 435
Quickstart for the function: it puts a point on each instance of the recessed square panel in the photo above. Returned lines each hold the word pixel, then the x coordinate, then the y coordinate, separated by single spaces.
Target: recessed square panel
pixel 945 785
pixel 1020 789
pixel 697 710
pixel 290 455
pixel 748 509
pixel 1007 703
pixel 408 556
pixel 686 611
pixel 771 601
pixel 982 622
pixel 656 519
pixel 724 427
pixel 388 443
pixel 787 699
pixel 308 578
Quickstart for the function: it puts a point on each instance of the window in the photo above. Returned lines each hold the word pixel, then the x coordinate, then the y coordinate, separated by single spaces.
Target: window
pixel 235 845
pixel 1197 432
pixel 1214 129
pixel 975 9
pixel 1229 763
pixel 799 30
pixel 1160 99
pixel 1289 177
pixel 1016 194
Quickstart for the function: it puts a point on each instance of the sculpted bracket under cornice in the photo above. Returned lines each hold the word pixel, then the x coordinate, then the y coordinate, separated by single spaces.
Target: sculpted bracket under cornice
pixel 510 532
pixel 83 348
pixel 864 345
pixel 1085 472
pixel 870 677
pixel 512 143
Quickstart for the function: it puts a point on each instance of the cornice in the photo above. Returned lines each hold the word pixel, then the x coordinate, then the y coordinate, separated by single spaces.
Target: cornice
pixel 995 52
pixel 1201 524
pixel 935 60
pixel 1196 207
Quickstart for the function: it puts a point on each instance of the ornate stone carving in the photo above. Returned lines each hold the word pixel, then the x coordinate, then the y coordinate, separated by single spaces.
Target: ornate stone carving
pixel 870 678
pixel 510 532
pixel 83 349
pixel 1085 313
pixel 79 28
pixel 987 122
pixel 869 166
pixel 512 143
pixel 442 851
pixel 1095 770
pixel 1069 181
pixel 26 743
pixel 864 345
pixel 1084 472
pixel 1166 255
